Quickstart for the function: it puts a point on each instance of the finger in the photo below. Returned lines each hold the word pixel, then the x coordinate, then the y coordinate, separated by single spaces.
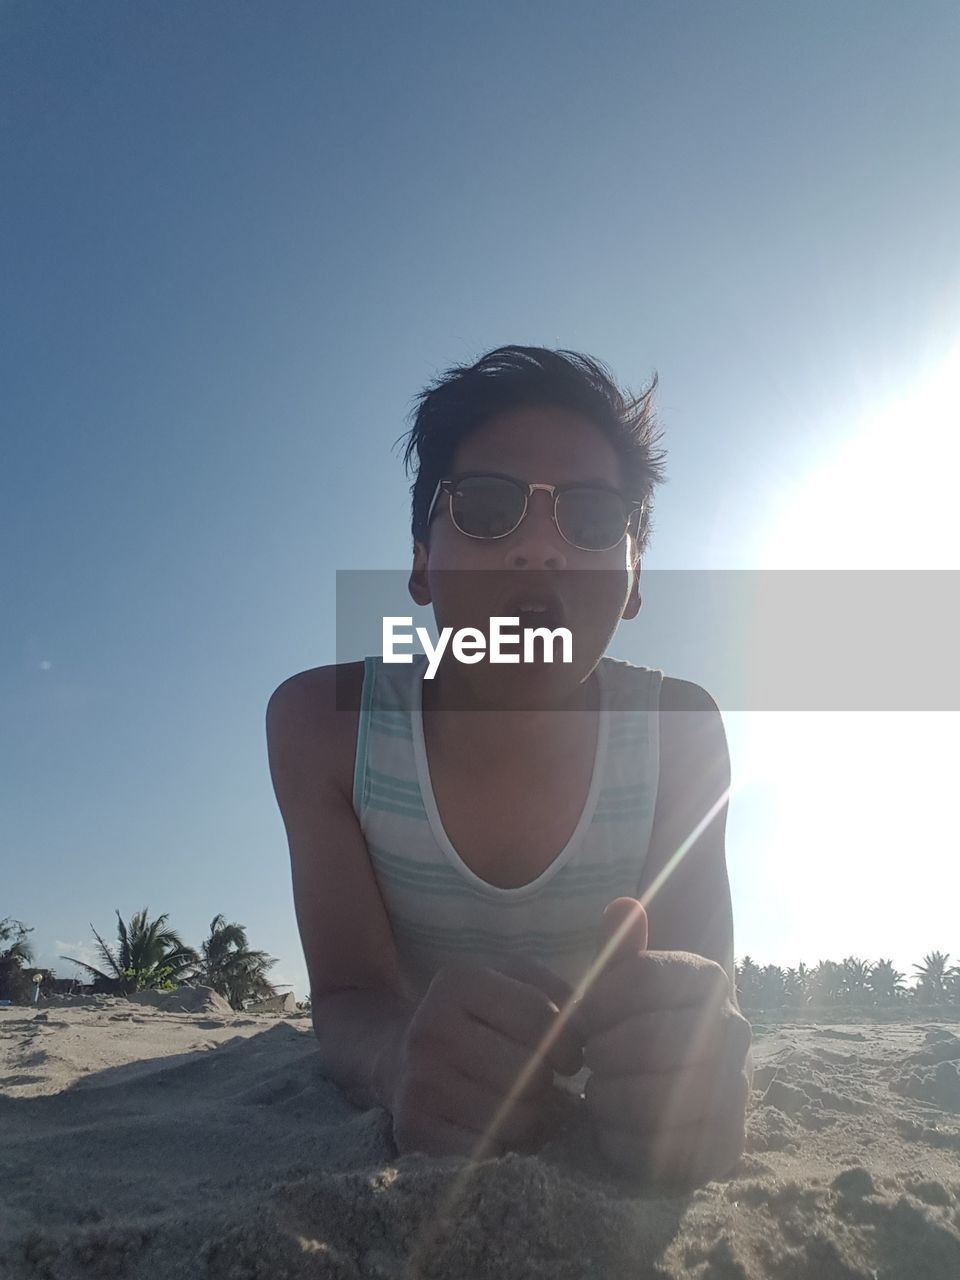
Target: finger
pixel 730 1131
pixel 529 969
pixel 695 1156
pixel 652 1103
pixel 624 930
pixel 493 1059
pixel 513 1008
pixel 524 1010
pixel 655 1042
pixel 683 1157
pixel 466 1103
pixel 653 980
pixel 738 1037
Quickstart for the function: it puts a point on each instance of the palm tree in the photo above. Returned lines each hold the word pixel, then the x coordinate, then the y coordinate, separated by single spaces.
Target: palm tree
pixel 826 983
pixel 856 976
pixel 932 978
pixel 885 983
pixel 796 986
pixel 15 955
pixel 149 955
pixel 230 967
pixel 772 986
pixel 749 981
pixel 13 941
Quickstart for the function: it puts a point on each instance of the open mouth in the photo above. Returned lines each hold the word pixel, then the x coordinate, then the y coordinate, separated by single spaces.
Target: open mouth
pixel 535 609
pixel 530 618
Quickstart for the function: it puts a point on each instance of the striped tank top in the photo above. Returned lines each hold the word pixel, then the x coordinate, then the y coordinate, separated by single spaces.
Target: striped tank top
pixel 441 911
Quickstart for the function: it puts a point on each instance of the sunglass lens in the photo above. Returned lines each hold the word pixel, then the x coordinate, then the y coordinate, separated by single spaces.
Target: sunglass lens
pixel 486 507
pixel 593 519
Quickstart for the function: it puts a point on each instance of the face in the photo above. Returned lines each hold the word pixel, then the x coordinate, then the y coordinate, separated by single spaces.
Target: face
pixel 469 580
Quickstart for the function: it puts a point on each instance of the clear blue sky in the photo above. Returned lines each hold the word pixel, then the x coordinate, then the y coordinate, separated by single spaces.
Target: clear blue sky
pixel 238 239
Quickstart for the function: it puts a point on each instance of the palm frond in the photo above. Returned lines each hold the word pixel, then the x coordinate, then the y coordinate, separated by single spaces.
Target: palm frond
pixel 97 973
pixel 108 956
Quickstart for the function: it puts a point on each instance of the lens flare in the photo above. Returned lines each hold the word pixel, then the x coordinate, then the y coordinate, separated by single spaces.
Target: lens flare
pixel 569 1011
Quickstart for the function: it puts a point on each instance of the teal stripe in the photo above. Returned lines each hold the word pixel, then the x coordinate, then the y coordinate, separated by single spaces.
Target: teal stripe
pixel 488 940
pixel 390 695
pixel 568 882
pixel 389 730
pixel 514 948
pixel 404 863
pixel 394 795
pixel 443 933
pixel 624 815
pixel 622 738
pixel 599 892
pixel 374 801
pixel 640 805
pixel 632 795
pixel 598 888
pixel 360 765
pixel 634 726
pixel 629 798
pixel 630 788
pixel 390 782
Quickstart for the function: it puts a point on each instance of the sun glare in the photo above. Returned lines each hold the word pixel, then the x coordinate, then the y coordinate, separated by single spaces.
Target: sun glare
pixel 885 498
pixel 859 824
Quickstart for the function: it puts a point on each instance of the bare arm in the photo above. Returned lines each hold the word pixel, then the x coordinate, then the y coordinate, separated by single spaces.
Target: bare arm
pixel 687 895
pixel 446 1064
pixel 360 1010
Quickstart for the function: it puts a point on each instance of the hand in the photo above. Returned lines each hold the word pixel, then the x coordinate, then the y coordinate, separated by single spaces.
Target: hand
pixel 474 1033
pixel 667 1048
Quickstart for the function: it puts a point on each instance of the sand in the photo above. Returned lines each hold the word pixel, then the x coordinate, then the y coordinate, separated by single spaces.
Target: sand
pixel 155 1142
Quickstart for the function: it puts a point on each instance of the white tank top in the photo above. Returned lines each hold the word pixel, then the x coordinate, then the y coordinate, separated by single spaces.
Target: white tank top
pixel 439 909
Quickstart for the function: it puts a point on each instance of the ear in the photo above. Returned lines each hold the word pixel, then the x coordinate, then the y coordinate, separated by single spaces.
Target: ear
pixel 417 584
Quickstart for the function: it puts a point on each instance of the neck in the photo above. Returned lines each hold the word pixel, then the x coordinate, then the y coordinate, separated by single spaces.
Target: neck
pixel 465 730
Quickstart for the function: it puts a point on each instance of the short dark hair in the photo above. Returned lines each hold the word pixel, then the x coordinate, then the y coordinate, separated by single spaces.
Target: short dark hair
pixel 466 396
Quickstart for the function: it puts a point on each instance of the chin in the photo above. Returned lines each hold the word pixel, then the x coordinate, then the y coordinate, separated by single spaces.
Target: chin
pixel 530 686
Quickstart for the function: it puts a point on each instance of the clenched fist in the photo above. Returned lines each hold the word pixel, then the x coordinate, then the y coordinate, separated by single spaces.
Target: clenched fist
pixel 469 1041
pixel 668 1050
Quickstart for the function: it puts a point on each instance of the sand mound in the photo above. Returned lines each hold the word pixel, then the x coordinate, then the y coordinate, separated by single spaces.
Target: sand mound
pixel 185 1000
pixel 234 1159
pixel 80 1002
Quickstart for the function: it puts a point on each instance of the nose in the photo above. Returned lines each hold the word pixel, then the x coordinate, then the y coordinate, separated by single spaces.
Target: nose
pixel 537 543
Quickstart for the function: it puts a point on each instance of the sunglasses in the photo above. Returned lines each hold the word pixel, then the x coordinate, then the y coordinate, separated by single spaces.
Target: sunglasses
pixel 487 505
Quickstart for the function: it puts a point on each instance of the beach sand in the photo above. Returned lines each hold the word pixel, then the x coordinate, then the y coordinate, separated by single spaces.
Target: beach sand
pixel 156 1142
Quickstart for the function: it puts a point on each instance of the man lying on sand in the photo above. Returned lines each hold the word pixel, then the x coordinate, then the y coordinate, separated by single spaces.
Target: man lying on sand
pixel 455 840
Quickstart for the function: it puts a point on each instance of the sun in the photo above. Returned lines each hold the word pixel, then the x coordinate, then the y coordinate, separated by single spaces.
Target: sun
pixel 886 496
pixel 847 834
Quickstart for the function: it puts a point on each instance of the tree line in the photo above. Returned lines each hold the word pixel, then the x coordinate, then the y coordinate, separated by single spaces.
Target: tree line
pixel 148 955
pixel 853 982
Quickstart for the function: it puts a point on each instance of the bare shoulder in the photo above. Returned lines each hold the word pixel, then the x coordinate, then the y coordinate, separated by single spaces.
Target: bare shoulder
pixel 685 695
pixel 693 743
pixel 329 687
pixel 312 719
pixel 690 896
